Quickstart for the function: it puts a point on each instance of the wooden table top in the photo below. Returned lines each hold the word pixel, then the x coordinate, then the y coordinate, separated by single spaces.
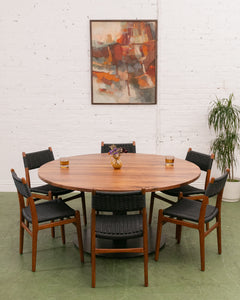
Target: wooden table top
pixel 139 171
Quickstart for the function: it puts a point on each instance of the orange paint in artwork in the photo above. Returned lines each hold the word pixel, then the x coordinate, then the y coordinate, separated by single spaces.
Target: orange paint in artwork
pixel 117 52
pixel 151 73
pixel 120 40
pixel 106 91
pixel 142 83
pixel 145 50
pixel 105 77
pixel 108 60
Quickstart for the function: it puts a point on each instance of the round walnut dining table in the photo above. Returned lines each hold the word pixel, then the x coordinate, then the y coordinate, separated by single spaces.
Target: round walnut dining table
pixel 94 172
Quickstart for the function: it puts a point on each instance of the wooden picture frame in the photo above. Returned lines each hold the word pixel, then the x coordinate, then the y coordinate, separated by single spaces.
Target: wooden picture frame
pixel 123 61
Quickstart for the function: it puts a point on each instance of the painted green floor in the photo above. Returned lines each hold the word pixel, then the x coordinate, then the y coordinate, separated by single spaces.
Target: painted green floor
pixel 60 274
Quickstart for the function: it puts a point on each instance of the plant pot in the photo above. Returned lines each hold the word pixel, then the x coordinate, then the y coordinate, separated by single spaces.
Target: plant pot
pixel 231 191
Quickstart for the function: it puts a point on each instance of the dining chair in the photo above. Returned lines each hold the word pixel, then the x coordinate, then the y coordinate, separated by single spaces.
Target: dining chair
pixel 204 162
pixel 47 214
pixel 119 227
pixel 35 160
pixel 130 147
pixel 195 214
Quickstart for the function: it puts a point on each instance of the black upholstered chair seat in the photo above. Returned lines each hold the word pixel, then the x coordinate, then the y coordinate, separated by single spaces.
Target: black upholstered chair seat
pixel 190 210
pixel 119 226
pixel 44 189
pixel 187 190
pixel 49 210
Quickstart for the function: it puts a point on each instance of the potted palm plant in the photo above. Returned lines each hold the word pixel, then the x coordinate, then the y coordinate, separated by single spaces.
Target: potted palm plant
pixel 224 118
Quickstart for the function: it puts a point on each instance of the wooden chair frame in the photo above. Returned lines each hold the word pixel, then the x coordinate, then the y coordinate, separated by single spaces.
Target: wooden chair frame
pixel 95 250
pixel 36 227
pixel 162 219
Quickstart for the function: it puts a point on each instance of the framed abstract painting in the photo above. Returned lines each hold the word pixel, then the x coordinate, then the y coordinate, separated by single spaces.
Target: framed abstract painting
pixel 123 61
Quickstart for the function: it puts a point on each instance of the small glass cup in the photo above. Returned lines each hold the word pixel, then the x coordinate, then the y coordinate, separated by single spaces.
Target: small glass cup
pixel 169 161
pixel 64 162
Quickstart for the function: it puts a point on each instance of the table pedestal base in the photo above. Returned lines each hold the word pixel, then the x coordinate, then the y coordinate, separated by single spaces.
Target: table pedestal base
pixel 109 244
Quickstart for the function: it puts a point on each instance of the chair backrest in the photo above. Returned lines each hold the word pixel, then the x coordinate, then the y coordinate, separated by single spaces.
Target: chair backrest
pixel 216 185
pixel 21 186
pixel 35 160
pixel 25 193
pixel 118 202
pixel 203 161
pixel 130 147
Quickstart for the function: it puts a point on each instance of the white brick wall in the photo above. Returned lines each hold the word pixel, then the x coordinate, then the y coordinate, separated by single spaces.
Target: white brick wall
pixel 45 77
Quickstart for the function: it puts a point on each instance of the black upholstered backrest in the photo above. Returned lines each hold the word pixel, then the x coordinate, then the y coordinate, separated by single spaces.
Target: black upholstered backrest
pixel 35 160
pixel 22 188
pixel 217 186
pixel 117 202
pixel 203 161
pixel 130 147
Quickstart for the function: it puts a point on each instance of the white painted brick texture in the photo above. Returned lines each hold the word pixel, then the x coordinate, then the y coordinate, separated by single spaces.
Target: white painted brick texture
pixel 45 97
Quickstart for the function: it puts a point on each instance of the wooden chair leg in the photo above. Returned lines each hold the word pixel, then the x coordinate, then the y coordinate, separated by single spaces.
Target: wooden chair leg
pixel 145 268
pixel 34 249
pixel 178 233
pixel 151 208
pixel 84 208
pixel 219 236
pixel 79 234
pixel 93 261
pixel 63 234
pixel 202 247
pixel 145 247
pixel 159 233
pixel 93 247
pixel 21 239
pixel 53 230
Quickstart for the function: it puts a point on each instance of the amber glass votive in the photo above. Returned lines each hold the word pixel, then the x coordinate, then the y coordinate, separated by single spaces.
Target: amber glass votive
pixel 64 162
pixel 169 161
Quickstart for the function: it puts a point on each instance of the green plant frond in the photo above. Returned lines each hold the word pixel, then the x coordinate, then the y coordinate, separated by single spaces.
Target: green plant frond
pixel 224 148
pixel 224 118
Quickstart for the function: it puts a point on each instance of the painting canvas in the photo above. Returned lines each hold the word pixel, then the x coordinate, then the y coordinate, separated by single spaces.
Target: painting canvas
pixel 123 61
